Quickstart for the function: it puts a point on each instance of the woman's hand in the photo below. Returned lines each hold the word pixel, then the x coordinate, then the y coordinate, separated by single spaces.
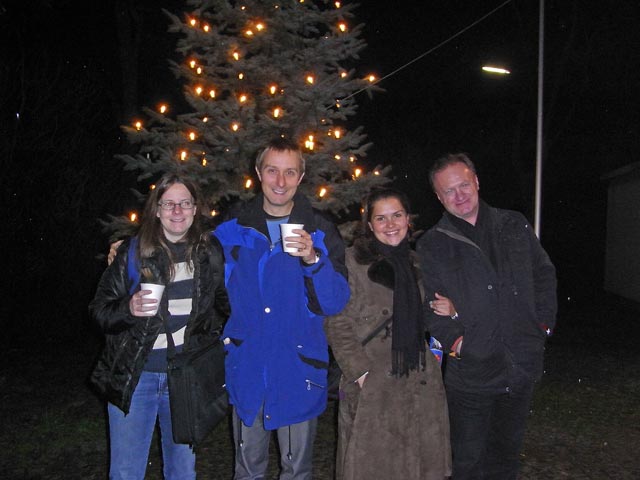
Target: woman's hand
pixel 443 306
pixel 142 306
pixel 360 381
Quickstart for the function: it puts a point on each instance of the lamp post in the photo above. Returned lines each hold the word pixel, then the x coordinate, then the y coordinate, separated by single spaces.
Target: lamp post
pixel 538 191
pixel 504 71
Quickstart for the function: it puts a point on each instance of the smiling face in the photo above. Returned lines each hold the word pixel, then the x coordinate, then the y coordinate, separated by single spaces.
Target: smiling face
pixel 177 221
pixel 389 221
pixel 457 187
pixel 280 174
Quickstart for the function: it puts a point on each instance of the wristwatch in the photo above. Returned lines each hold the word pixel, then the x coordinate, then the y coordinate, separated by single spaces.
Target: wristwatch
pixel 316 260
pixel 454 316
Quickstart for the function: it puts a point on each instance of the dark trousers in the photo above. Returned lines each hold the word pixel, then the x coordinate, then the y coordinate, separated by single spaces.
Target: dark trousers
pixel 487 432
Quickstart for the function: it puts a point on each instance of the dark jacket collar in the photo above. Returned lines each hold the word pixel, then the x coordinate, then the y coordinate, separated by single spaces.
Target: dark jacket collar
pixel 253 214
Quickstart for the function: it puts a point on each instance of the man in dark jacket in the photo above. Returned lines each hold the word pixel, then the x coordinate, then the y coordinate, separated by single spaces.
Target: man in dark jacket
pixel 491 292
pixel 277 354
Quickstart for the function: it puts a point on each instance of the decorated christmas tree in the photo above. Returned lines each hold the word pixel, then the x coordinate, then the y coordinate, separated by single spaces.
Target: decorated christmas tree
pixel 253 70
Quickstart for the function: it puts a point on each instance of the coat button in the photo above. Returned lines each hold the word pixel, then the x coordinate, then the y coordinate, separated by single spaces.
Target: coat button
pixel 267 310
pixel 385 311
pixel 490 287
pixel 268 417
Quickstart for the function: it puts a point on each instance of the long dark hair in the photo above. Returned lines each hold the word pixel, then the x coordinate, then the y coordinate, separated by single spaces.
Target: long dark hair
pixel 375 195
pixel 151 238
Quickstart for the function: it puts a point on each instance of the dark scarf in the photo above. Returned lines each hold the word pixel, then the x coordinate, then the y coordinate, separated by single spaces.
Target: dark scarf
pixel 481 233
pixel 407 342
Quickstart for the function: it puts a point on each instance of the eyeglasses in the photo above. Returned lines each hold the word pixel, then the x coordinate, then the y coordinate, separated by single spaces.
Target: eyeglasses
pixel 184 205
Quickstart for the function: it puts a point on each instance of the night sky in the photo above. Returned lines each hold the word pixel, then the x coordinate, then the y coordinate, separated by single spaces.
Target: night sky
pixel 61 70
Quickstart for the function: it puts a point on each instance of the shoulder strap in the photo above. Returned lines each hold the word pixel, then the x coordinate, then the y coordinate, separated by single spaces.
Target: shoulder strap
pixel 133 266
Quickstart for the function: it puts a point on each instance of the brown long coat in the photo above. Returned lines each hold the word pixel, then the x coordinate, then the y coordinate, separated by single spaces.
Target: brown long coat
pixel 392 427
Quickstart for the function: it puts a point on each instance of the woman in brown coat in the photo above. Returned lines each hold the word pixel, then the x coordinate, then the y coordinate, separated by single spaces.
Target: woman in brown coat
pixel 393 419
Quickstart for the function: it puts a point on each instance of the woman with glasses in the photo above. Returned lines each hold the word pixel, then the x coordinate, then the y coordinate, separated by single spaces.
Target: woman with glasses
pixel 392 420
pixel 170 249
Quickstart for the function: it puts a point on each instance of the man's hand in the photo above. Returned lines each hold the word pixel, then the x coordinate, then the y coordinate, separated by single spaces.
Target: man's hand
pixel 304 245
pixel 113 251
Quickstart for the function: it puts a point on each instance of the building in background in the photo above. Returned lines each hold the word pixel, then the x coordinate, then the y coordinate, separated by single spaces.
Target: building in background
pixel 622 263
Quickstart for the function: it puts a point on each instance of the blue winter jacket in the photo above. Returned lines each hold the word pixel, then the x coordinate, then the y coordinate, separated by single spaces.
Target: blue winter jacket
pixel 278 354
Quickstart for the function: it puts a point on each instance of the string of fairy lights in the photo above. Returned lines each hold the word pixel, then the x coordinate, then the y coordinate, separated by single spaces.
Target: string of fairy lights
pixel 254 28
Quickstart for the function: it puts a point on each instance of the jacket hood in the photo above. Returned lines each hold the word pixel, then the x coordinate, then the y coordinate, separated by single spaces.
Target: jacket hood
pixel 254 216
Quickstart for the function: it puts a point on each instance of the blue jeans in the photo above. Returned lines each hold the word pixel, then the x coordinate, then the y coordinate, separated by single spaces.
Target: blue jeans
pixel 130 435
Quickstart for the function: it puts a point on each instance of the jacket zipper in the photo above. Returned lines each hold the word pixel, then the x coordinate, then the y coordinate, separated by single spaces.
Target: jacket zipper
pixel 310 382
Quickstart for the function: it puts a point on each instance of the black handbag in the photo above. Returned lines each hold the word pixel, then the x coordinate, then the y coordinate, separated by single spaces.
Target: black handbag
pixel 197 394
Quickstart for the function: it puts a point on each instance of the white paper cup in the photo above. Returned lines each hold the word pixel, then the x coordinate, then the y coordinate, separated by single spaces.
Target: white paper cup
pixel 286 231
pixel 156 292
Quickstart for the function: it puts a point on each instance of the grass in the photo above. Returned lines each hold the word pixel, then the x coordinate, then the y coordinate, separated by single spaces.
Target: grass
pixel 584 421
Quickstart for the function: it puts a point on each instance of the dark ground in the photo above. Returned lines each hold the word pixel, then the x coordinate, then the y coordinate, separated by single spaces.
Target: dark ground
pixel 584 423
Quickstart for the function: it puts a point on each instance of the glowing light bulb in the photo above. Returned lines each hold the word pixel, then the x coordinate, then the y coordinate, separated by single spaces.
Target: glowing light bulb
pixel 183 155
pixel 198 89
pixel 248 183
pixel 241 76
pixel 357 172
pixel 310 79
pixel 192 136
pixel 199 71
pixel 133 216
pixel 249 33
pixel 309 143
pixel 352 158
pixel 212 93
pixel 371 78
pixel 322 192
pixel 206 28
pixel 205 119
pixel 213 213
pixel 376 172
pixel 235 126
pixel 192 64
pixel 152 186
pixel 193 22
pixel 204 162
pixel 236 55
pixel 337 157
pixel 337 133
pixel 343 74
pixel 337 4
pixel 273 89
pixel 163 108
pixel 138 125
pixel 242 98
pixel 499 70
pixel 342 27
pixel 259 26
pixel 276 112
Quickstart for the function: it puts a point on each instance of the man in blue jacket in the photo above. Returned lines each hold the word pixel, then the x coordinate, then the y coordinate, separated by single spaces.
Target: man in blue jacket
pixel 491 292
pixel 277 358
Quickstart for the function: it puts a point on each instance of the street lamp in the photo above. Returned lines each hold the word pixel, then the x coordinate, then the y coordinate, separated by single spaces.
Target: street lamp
pixel 497 70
